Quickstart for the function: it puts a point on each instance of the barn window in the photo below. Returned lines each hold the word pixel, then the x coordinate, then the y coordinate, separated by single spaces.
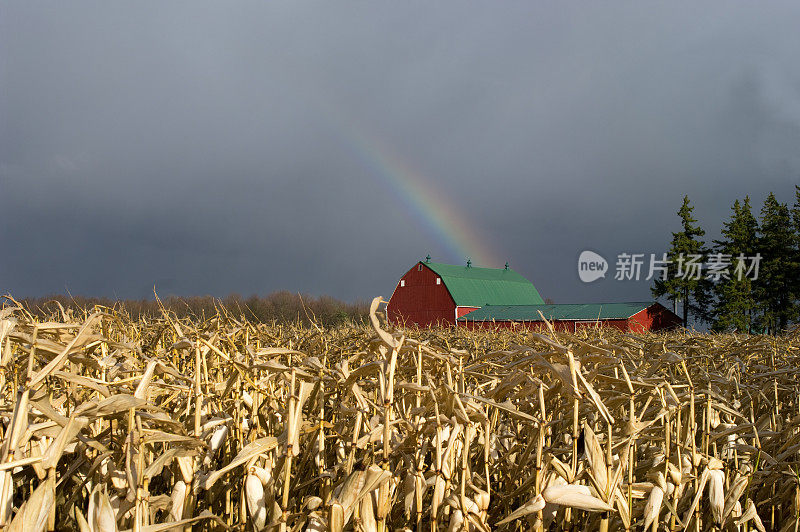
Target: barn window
pixel 438 280
pixel 402 282
pixel 419 267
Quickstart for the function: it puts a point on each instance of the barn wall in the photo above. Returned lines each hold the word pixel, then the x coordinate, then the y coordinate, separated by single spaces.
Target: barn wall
pixel 622 325
pixel 559 325
pixel 463 311
pixel 421 301
pixel 654 318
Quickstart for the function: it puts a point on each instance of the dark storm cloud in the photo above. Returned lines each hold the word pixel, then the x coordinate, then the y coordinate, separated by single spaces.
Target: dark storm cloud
pixel 211 149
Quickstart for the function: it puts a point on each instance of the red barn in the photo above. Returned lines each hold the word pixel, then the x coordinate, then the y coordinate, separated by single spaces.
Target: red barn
pixel 432 293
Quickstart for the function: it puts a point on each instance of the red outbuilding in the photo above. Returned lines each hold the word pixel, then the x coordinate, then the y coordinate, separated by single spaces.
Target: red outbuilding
pixel 631 317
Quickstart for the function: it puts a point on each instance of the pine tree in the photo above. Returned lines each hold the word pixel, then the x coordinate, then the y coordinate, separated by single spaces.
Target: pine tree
pixel 683 281
pixel 735 301
pixel 795 277
pixel 775 285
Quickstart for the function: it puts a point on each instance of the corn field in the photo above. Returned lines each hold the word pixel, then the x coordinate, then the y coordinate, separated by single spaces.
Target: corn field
pixel 178 424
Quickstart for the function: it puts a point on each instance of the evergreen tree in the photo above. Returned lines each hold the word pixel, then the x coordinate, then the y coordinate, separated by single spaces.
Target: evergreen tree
pixel 795 277
pixel 735 301
pixel 775 286
pixel 685 281
pixel 796 212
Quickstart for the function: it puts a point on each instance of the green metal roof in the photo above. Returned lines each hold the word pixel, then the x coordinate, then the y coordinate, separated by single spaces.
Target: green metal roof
pixel 590 311
pixel 476 287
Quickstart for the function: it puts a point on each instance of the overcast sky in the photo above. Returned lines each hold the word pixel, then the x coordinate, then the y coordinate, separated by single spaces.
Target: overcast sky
pixel 216 148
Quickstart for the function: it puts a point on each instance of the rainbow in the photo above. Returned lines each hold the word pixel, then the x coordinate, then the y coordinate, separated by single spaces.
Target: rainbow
pixel 426 203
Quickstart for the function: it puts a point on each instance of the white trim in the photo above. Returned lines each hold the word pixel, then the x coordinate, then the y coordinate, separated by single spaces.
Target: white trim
pixel 591 323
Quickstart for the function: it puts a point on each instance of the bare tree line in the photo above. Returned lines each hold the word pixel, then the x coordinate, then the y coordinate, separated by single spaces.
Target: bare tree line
pixel 278 307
